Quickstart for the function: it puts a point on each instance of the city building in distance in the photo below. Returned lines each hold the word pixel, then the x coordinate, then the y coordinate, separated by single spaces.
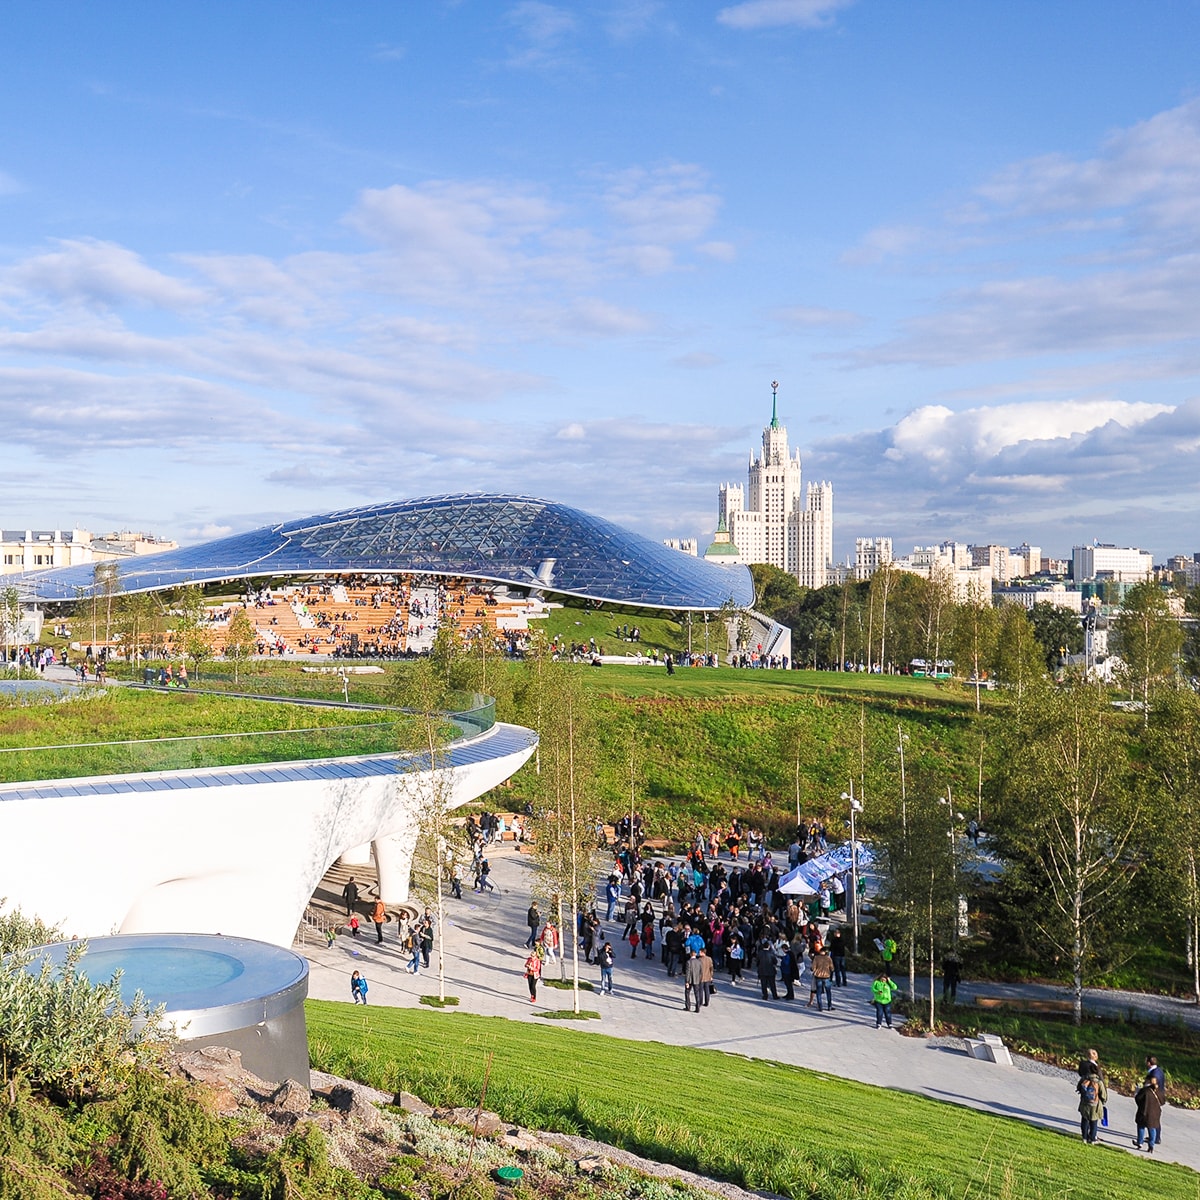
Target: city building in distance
pixel 771 520
pixel 41 549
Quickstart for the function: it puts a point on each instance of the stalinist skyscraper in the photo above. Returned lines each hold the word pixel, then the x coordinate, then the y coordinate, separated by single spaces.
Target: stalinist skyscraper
pixel 766 521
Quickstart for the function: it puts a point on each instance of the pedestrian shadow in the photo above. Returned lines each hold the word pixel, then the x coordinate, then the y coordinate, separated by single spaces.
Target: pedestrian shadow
pixel 1028 1114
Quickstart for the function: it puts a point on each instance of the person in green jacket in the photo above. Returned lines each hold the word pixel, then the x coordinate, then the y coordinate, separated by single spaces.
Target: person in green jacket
pixel 882 991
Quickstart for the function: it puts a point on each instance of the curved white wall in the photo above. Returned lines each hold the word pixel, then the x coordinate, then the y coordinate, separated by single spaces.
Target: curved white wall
pixel 214 851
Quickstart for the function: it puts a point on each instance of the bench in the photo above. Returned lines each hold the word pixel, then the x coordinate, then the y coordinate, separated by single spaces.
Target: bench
pixel 1031 1004
pixel 990 1047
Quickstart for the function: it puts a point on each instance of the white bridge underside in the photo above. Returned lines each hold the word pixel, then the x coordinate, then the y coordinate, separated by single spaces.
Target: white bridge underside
pixel 232 850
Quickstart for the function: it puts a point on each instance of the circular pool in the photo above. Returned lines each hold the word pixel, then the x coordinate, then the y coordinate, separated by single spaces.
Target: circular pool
pixel 216 991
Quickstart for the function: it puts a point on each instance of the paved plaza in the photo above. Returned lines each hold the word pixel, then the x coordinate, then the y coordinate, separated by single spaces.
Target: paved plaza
pixel 484 957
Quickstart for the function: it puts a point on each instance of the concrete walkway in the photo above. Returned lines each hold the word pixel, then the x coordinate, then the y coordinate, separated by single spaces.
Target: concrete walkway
pixel 484 956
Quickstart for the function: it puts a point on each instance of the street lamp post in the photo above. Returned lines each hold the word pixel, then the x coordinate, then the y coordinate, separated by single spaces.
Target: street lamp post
pixel 948 800
pixel 855 808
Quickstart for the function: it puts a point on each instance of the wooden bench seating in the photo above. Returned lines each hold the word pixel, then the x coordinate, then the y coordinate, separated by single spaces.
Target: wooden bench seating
pixel 1031 1004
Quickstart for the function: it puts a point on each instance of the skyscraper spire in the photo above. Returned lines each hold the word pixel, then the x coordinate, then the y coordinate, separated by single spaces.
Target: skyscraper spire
pixel 774 414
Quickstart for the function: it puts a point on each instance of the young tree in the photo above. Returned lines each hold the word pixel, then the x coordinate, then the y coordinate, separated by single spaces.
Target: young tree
pixel 1018 661
pixel 1172 744
pixel 10 619
pixel 1058 631
pixel 106 590
pixel 1149 639
pixel 193 635
pixel 938 622
pixel 975 634
pixel 137 619
pixel 429 788
pixel 1068 813
pixel 565 842
pixel 241 641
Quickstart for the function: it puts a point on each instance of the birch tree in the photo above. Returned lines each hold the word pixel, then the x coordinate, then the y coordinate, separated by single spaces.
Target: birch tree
pixel 1173 752
pixel 565 843
pixel 1069 814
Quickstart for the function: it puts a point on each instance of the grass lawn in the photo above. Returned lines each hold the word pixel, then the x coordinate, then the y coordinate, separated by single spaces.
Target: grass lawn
pixel 657 633
pixel 724 682
pixel 760 1124
pixel 117 717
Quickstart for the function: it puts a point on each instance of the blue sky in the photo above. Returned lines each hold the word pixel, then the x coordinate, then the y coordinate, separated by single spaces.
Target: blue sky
pixel 259 261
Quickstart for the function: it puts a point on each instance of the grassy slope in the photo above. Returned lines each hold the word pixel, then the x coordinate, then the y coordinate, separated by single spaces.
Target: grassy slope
pixel 760 1124
pixel 661 633
pixel 715 741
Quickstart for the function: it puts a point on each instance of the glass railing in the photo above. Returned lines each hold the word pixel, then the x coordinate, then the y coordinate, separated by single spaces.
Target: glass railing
pixel 471 712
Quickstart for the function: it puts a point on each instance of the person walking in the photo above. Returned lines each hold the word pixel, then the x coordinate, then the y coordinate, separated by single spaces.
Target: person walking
pixel 378 916
pixel 607 959
pixel 693 980
pixel 533 972
pixel 837 952
pixel 1093 1096
pixel 612 893
pixel 426 937
pixel 358 987
pixel 766 964
pixel 822 969
pixel 1149 1112
pixel 350 895
pixel 534 920
pixel 456 880
pixel 951 974
pixel 485 882
pixel 735 958
pixel 706 977
pixel 882 991
pixel 1160 1082
pixel 789 973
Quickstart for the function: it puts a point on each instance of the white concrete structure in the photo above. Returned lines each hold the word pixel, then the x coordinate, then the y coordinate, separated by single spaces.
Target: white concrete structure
pixel 233 850
pixel 683 545
pixel 770 521
pixel 1122 564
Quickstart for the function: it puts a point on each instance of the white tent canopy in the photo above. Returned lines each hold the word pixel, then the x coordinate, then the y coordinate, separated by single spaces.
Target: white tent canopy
pixel 806 879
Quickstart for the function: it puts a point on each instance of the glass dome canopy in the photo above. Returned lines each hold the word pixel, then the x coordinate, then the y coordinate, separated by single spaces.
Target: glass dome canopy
pixel 517 540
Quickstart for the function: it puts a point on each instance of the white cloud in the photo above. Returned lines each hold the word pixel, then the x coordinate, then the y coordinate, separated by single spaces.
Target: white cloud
pixel 87 271
pixel 666 206
pixel 942 437
pixel 1051 471
pixel 768 14
pixel 544 28
pixel 1152 168
pixel 800 316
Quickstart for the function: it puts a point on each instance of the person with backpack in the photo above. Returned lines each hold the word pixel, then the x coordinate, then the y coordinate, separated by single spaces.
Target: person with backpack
pixel 1093 1096
pixel 358 987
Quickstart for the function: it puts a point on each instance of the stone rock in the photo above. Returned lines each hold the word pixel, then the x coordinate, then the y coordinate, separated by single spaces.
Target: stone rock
pixel 323 1083
pixel 590 1165
pixel 292 1097
pixel 353 1107
pixel 412 1104
pixel 211 1064
pixel 520 1139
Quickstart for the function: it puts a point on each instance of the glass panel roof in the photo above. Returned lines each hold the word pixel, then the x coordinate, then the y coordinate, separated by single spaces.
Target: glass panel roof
pixel 517 540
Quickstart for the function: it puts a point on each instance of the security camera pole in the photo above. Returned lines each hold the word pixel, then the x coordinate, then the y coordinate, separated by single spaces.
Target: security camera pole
pixel 855 807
